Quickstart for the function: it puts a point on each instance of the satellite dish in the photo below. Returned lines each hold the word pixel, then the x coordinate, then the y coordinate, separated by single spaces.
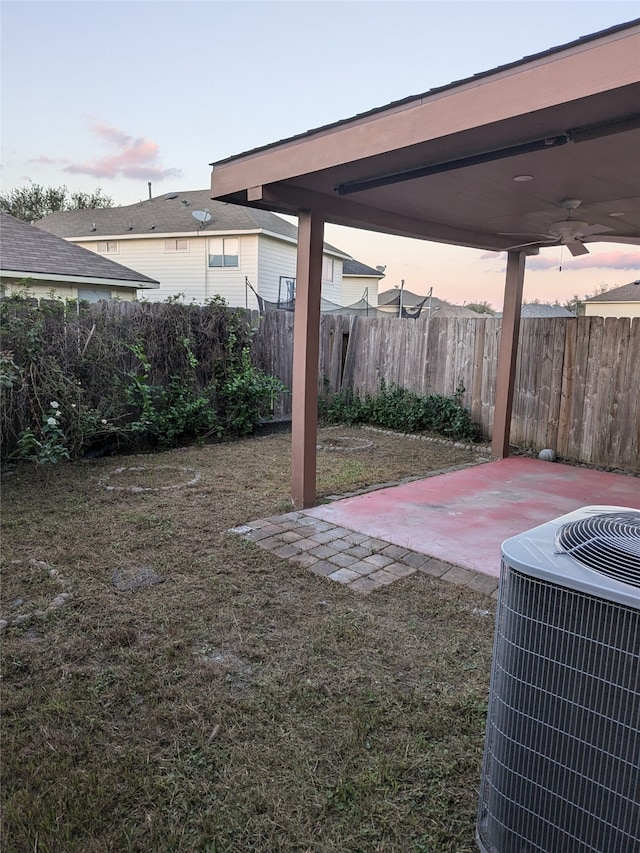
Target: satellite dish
pixel 203 216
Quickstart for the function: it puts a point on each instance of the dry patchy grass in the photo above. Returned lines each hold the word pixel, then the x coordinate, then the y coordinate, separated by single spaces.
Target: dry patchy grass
pixel 243 704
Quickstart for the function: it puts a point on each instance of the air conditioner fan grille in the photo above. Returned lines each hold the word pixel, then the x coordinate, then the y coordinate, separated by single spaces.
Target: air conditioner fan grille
pixel 608 542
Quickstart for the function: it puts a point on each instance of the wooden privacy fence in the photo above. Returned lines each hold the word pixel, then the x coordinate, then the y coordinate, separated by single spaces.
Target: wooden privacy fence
pixel 577 379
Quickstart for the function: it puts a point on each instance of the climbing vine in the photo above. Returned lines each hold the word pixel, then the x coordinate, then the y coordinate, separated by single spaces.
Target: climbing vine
pixel 79 380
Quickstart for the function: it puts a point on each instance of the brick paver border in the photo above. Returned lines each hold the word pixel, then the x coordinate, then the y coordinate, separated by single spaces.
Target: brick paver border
pixel 359 562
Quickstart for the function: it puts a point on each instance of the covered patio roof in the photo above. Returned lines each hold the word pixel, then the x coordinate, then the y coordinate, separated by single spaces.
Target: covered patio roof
pixel 538 152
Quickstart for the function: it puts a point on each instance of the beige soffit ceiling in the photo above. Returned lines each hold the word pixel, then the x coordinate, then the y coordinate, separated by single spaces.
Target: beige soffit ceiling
pixel 441 165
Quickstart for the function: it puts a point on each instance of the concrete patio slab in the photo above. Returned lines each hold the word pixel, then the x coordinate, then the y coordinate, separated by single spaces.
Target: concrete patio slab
pixel 463 517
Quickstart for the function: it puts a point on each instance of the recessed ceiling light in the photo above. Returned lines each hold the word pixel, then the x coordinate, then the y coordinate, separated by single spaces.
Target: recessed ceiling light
pixel 617 215
pixel 523 178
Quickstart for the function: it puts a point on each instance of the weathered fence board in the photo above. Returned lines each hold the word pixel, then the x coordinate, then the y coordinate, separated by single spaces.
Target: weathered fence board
pixel 273 352
pixel 630 412
pixel 614 442
pixel 577 380
pixel 577 386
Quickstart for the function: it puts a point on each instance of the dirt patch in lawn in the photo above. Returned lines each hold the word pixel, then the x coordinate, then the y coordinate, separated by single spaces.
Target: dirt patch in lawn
pixel 242 703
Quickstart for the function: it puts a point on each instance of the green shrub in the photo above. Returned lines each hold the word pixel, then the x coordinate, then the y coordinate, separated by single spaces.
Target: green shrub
pixel 50 446
pixel 248 395
pixel 153 377
pixel 399 409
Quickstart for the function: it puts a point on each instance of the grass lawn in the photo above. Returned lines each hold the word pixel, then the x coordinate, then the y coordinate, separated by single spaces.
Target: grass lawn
pixel 243 704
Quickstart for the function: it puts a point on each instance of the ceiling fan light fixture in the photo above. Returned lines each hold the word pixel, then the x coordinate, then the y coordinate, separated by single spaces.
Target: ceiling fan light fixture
pixel 570 228
pixel 571 204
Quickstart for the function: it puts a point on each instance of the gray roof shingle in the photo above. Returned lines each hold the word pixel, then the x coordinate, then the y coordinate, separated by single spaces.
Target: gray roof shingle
pixel 626 293
pixel 27 249
pixel 166 214
pixel 171 213
pixel 351 267
pixel 439 307
pixel 535 309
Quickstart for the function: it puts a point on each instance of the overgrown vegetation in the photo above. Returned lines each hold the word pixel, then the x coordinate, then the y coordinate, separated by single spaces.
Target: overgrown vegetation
pixel 77 381
pixel 244 704
pixel 399 409
pixel 33 202
pixel 483 307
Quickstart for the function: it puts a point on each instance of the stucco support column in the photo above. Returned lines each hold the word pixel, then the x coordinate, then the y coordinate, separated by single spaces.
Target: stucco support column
pixel 506 372
pixel 306 342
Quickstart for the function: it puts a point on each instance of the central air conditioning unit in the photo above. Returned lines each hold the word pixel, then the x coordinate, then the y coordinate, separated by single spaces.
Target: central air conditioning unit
pixel 561 770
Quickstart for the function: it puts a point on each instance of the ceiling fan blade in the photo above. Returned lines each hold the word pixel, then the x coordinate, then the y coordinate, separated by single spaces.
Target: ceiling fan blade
pixel 527 234
pixel 616 238
pixel 595 229
pixel 524 245
pixel 576 248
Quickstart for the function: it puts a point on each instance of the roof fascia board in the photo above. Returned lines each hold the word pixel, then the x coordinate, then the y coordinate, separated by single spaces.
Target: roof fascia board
pixel 326 248
pixel 150 235
pixel 627 300
pixel 181 234
pixel 77 279
pixel 282 237
pixel 360 275
pixel 583 71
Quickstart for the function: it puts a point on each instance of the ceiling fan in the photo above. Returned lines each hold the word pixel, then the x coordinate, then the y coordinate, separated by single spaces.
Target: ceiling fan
pixel 567 232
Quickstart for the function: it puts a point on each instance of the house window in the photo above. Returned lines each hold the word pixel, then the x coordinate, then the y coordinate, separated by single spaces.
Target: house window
pixel 108 247
pixel 286 290
pixel 178 244
pixel 93 294
pixel 224 252
pixel 327 268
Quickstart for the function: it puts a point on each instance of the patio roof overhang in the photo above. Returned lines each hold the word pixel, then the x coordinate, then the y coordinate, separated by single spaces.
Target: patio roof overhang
pixel 486 162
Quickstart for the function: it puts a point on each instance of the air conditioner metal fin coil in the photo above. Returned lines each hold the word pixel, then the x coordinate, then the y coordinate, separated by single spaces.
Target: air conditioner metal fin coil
pixel 607 542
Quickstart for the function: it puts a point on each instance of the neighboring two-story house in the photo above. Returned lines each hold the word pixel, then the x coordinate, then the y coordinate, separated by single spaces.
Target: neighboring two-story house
pixel 199 248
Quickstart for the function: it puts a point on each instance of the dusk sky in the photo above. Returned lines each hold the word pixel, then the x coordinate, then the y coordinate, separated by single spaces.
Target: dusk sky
pixel 115 94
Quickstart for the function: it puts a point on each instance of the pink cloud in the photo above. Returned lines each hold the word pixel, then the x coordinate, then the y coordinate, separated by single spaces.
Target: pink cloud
pixel 111 134
pixel 137 158
pixel 615 260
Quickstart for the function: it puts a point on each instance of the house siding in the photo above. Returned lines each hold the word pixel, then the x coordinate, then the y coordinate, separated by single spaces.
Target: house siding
pixel 262 259
pixel 353 288
pixel 61 290
pixel 275 258
pixel 332 290
pixel 188 273
pixel 177 272
pixel 612 309
pixel 229 282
